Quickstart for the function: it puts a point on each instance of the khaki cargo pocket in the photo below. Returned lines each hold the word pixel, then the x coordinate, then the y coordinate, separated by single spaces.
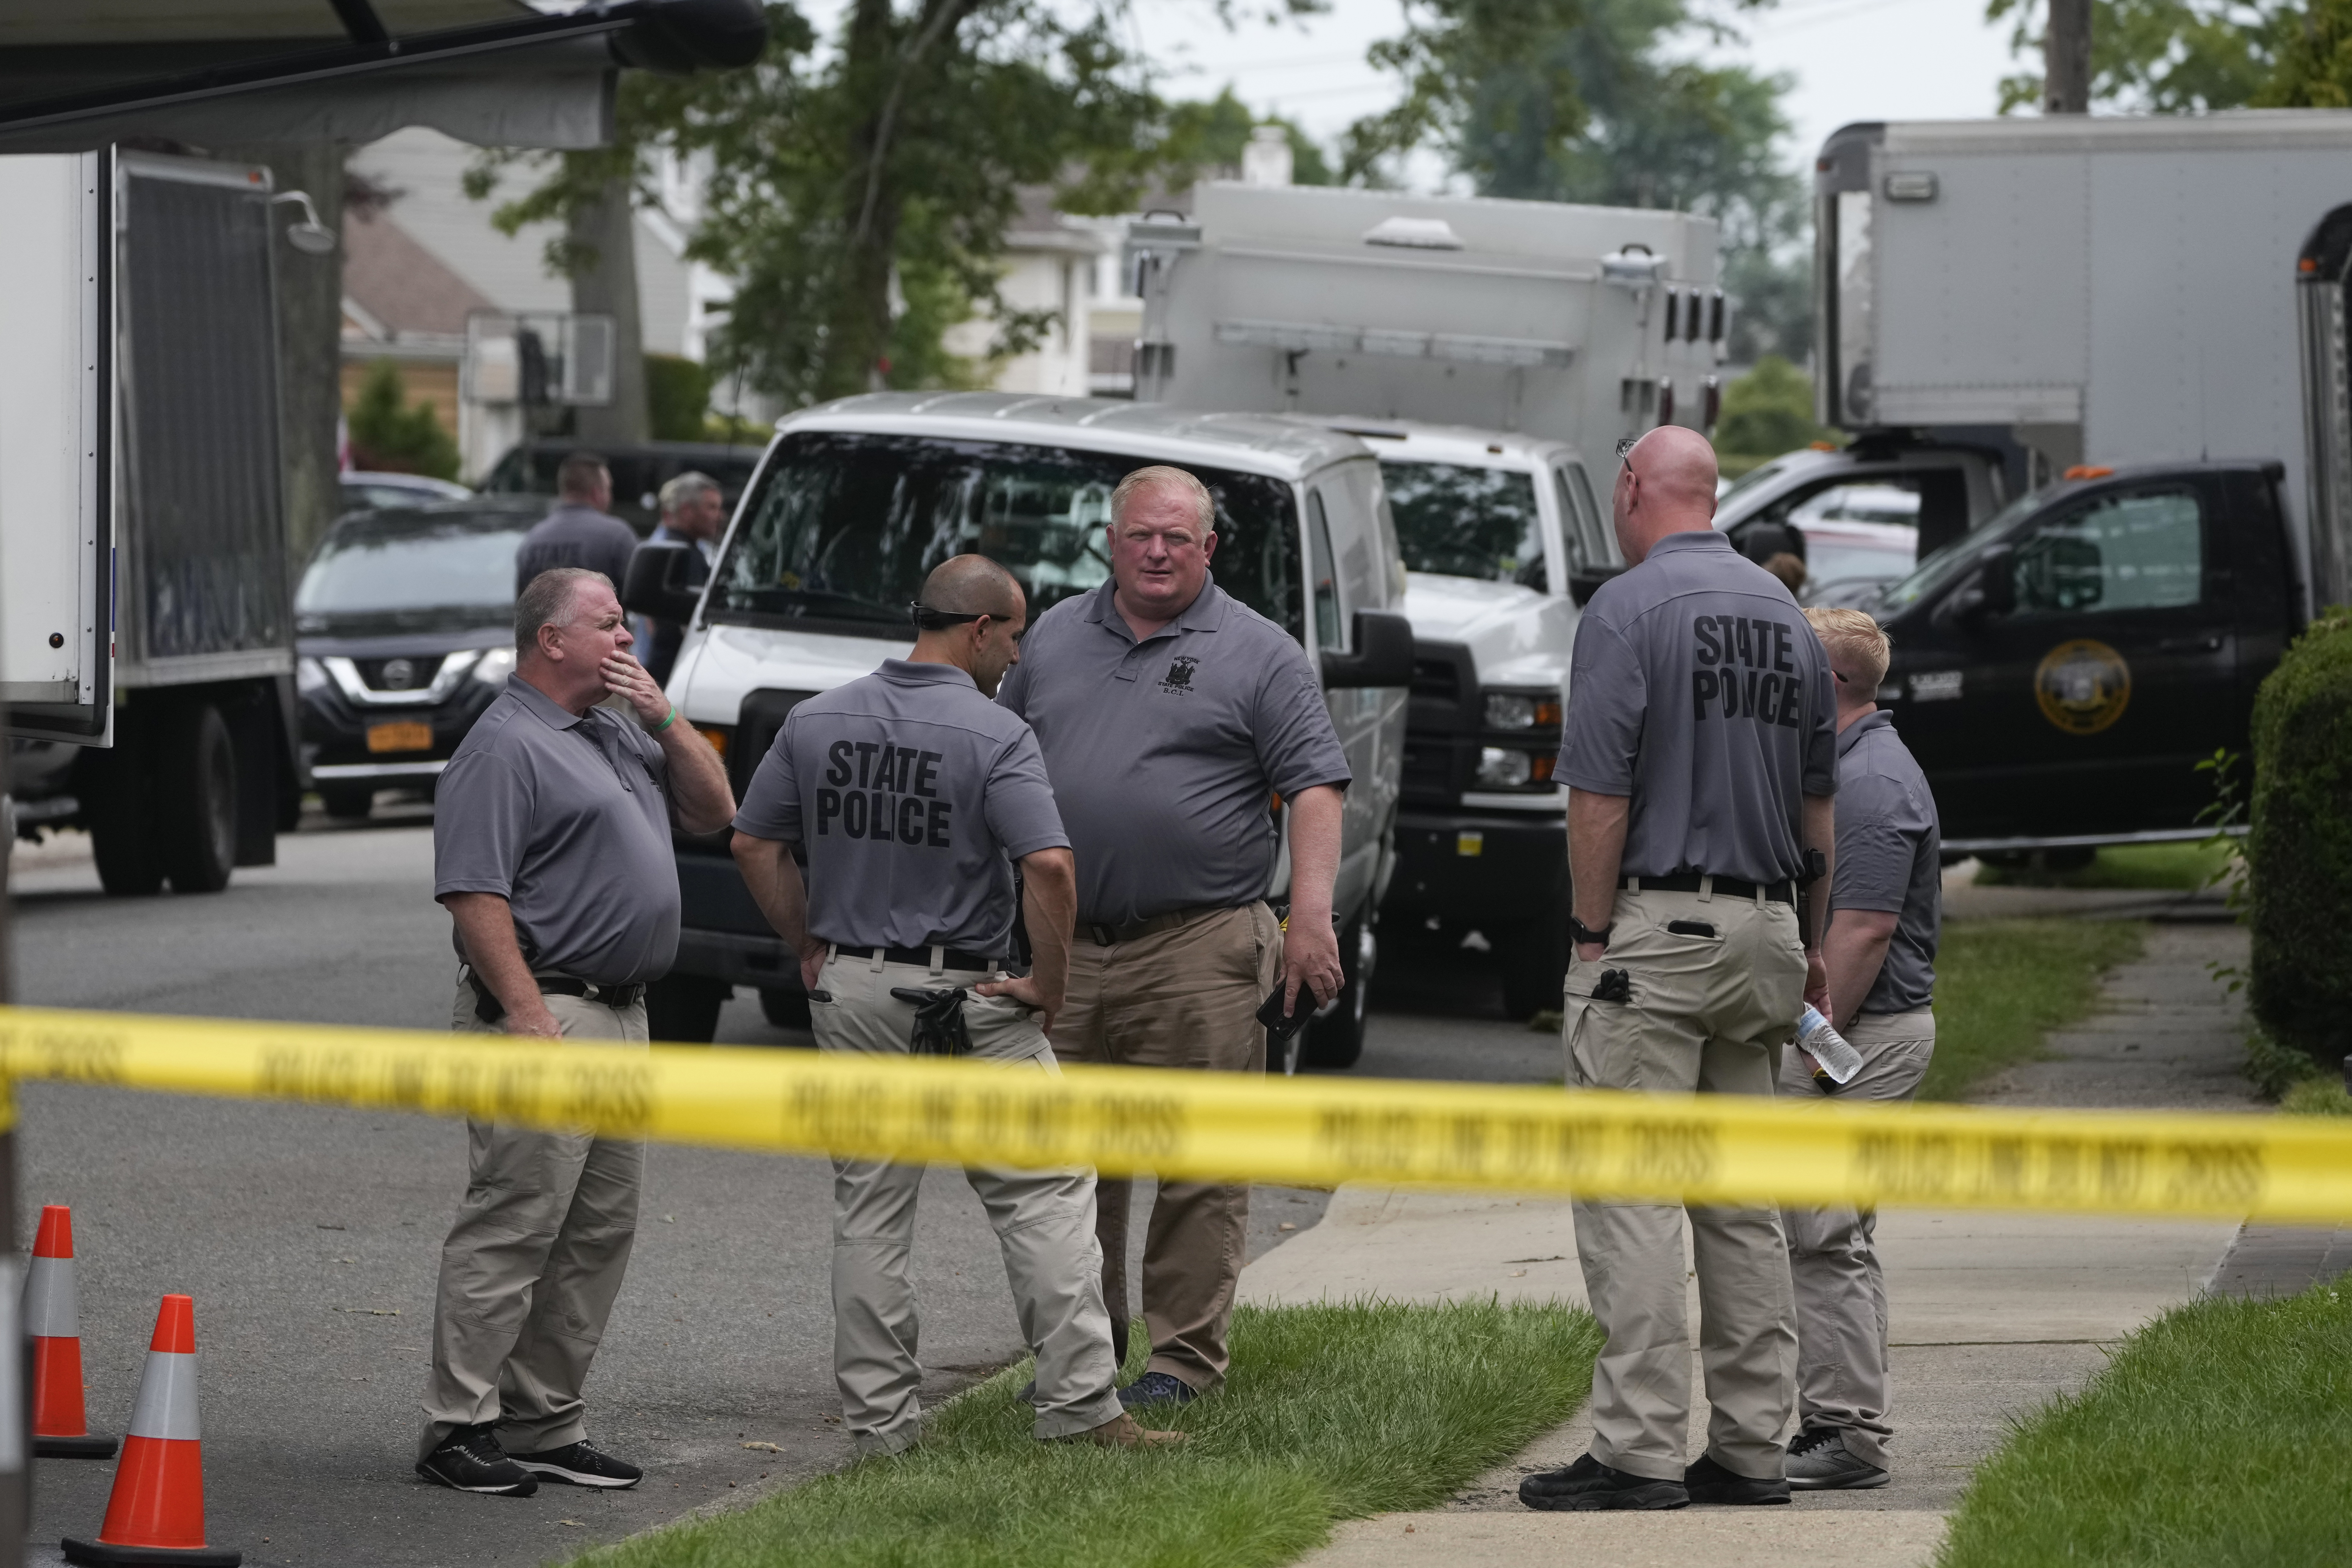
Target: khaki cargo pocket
pixel 1004 1030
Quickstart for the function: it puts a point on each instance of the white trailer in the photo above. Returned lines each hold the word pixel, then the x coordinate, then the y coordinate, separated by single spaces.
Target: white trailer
pixel 1562 323
pixel 2102 291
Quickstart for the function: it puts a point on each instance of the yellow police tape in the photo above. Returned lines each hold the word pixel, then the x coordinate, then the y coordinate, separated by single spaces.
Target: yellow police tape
pixel 1312 1131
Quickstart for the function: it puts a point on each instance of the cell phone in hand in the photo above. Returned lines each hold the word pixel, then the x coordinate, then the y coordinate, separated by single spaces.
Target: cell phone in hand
pixel 1282 1027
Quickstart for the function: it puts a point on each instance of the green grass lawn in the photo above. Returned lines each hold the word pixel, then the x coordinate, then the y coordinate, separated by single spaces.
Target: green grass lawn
pixel 2218 1436
pixel 1332 1412
pixel 2001 985
pixel 2157 866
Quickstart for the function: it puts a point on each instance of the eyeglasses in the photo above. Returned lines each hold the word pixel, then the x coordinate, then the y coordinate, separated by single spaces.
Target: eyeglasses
pixel 928 619
pixel 1625 445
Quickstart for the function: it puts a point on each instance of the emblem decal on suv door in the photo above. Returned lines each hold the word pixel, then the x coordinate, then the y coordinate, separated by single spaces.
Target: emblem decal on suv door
pixel 2083 686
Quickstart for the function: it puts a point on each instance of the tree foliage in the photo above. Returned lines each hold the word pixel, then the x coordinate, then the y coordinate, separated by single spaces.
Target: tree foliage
pixel 2314 68
pixel 2160 57
pixel 1768 411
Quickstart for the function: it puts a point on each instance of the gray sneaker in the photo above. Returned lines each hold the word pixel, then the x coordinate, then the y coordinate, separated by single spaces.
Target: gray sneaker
pixel 1818 1462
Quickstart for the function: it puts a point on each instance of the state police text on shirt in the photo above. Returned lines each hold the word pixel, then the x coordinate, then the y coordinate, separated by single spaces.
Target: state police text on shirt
pixel 1727 646
pixel 896 795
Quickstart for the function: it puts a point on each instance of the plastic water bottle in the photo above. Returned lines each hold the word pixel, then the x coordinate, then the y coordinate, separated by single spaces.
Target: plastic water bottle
pixel 1822 1041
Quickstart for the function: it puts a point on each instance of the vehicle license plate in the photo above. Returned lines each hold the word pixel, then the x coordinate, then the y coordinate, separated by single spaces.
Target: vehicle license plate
pixel 409 737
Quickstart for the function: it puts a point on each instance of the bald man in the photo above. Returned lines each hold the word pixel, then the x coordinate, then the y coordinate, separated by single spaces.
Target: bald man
pixel 1700 753
pixel 910 795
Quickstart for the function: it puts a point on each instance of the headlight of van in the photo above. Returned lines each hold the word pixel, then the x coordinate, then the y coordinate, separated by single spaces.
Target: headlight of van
pixel 1507 767
pixel 309 676
pixel 493 667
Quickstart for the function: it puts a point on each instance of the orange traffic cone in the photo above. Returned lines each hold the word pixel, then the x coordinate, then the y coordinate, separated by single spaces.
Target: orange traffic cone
pixel 157 1513
pixel 52 1321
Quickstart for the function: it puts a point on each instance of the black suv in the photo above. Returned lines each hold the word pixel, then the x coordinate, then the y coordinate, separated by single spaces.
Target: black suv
pixel 404 629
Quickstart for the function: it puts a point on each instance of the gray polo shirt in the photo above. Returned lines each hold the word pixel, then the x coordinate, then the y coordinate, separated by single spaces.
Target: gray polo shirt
pixel 912 794
pixel 1697 687
pixel 567 818
pixel 1164 753
pixel 575 535
pixel 1890 857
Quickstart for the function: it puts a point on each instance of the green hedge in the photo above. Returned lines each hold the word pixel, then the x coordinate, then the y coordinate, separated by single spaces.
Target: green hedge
pixel 2299 851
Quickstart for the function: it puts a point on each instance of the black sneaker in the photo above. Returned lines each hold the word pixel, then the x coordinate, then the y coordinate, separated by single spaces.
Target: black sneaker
pixel 1710 1482
pixel 582 1464
pixel 1157 1388
pixel 1588 1485
pixel 470 1460
pixel 1818 1462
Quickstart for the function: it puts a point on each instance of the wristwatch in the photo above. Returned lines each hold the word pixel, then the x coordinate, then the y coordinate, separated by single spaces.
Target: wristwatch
pixel 1581 933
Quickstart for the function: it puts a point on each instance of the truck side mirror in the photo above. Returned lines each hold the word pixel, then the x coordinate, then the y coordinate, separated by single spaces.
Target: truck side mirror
pixel 662 581
pixel 1993 591
pixel 1383 655
pixel 1585 581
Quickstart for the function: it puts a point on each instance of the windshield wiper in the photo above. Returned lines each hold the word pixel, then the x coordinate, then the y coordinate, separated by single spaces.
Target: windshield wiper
pixel 814 601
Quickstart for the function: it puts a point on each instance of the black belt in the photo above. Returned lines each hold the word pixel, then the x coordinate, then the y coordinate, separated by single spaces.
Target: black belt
pixel 1136 930
pixel 620 998
pixel 1781 893
pixel 950 958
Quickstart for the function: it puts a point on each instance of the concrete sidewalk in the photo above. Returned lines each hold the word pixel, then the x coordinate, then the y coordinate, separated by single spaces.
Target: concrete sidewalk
pixel 1990 1314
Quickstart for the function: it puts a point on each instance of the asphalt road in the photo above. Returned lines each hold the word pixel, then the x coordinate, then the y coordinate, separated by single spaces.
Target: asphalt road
pixel 309 1236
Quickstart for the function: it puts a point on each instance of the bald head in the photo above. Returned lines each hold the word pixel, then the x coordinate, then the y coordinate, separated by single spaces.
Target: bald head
pixel 972 586
pixel 1667 485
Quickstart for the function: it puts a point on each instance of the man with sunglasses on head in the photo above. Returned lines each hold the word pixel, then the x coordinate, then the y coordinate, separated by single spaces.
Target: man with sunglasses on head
pixel 1699 752
pixel 910 796
pixel 1169 714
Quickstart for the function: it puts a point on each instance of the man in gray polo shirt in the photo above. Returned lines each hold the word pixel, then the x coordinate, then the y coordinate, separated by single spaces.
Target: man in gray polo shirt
pixel 1168 714
pixel 1886 911
pixel 577 532
pixel 551 853
pixel 911 796
pixel 1698 753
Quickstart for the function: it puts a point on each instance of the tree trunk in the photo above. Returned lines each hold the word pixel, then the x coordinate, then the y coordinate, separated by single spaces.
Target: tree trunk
pixel 2066 58
pixel 857 338
pixel 310 336
pixel 608 227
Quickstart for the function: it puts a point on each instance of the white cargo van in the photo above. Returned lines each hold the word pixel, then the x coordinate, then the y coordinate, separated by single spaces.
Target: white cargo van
pixel 857 501
pixel 1503 536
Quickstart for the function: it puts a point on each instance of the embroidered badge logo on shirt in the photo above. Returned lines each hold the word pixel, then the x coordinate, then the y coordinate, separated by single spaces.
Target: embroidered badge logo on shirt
pixel 1180 674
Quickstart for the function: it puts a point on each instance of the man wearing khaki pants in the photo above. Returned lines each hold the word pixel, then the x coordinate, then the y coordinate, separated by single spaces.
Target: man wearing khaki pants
pixel 1885 914
pixel 1698 756
pixel 1168 714
pixel 551 853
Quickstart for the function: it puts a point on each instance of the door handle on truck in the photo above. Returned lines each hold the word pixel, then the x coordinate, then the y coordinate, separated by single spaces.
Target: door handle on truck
pixel 2196 642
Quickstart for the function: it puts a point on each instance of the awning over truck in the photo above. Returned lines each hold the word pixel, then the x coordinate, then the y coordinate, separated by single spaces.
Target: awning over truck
pixel 494 72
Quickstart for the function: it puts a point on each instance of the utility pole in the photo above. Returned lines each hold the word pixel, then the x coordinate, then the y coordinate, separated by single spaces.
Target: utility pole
pixel 2066 58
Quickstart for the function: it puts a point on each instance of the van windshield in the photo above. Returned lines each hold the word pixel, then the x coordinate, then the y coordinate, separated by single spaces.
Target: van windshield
pixel 843 529
pixel 1460 521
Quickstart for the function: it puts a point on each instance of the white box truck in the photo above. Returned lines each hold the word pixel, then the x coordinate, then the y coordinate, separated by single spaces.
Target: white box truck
pixel 148 655
pixel 1491 353
pixel 2139 324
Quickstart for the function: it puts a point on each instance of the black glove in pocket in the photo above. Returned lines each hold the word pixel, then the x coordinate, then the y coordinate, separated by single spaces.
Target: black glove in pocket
pixel 940 1029
pixel 1616 986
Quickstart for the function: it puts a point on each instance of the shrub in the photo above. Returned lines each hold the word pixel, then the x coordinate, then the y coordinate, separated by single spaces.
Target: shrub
pixel 389 436
pixel 677 395
pixel 2299 852
pixel 1768 411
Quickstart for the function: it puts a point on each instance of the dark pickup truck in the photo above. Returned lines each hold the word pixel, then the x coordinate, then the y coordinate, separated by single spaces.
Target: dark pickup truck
pixel 2060 670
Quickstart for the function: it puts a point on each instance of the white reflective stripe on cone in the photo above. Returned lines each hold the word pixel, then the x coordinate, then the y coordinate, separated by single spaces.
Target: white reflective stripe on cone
pixel 167 1398
pixel 51 1311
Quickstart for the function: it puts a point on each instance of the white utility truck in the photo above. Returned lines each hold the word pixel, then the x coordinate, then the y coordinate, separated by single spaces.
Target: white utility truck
pixel 1490 353
pixel 148 655
pixel 2137 328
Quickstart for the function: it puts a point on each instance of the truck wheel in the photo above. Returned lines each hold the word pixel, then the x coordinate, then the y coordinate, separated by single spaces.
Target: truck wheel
pixel 1337 1038
pixel 1535 964
pixel 199 801
pixel 786 1009
pixel 684 1008
pixel 347 803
